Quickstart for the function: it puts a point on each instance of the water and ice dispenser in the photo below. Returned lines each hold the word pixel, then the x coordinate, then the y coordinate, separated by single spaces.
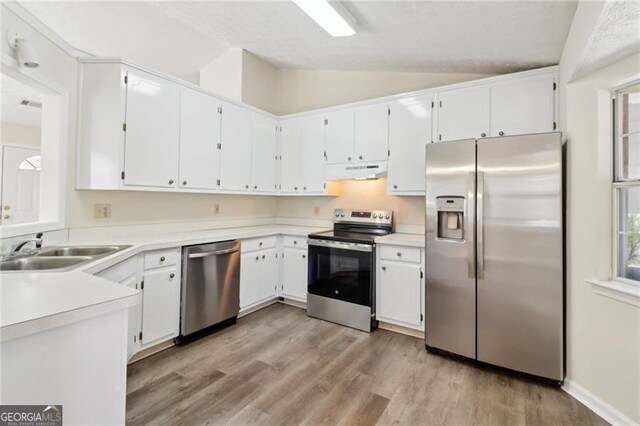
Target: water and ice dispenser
pixel 450 217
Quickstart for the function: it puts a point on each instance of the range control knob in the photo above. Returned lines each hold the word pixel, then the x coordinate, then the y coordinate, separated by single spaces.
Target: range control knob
pixel 337 214
pixel 342 214
pixel 375 215
pixel 388 216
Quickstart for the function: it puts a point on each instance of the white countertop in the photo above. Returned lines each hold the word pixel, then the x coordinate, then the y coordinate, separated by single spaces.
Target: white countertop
pixel 37 301
pixel 398 239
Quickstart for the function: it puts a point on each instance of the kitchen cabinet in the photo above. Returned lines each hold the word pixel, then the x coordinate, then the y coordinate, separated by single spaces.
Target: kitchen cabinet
pixel 410 123
pixel 339 136
pixel 199 159
pixel 264 165
pixel 400 286
pixel 152 131
pixel 258 277
pixel 129 273
pixel 523 106
pixel 294 274
pixel 312 173
pixel 463 113
pixel 290 152
pixel 371 133
pixel 161 296
pixel 235 149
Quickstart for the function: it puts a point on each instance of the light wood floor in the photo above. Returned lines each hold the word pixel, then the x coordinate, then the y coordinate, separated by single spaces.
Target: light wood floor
pixel 279 367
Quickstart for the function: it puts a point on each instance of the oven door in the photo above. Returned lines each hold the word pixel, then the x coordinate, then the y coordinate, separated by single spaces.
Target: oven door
pixel 341 270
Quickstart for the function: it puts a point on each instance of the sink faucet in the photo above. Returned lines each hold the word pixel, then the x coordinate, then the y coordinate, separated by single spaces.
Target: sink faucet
pixel 37 240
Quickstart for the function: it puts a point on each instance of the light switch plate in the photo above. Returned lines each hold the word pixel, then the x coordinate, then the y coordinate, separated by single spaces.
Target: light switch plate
pixel 101 211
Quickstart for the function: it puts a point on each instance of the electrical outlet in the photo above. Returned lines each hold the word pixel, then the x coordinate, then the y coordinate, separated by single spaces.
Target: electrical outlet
pixel 317 211
pixel 101 211
pixel 216 209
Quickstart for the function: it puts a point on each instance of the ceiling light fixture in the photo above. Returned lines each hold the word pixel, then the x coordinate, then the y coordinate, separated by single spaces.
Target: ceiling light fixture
pixel 331 16
pixel 25 52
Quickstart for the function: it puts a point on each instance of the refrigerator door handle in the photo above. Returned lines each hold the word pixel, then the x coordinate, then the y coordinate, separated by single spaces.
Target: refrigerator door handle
pixel 470 225
pixel 480 224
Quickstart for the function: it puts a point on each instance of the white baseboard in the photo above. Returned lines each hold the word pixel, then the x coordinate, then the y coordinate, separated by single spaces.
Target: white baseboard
pixel 400 329
pixel 597 405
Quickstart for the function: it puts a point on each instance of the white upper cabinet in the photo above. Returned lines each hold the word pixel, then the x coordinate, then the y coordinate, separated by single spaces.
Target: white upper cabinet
pixel 152 131
pixel 199 139
pixel 339 136
pixel 463 113
pixel 371 133
pixel 312 173
pixel 290 151
pixel 264 158
pixel 235 151
pixel 523 106
pixel 409 131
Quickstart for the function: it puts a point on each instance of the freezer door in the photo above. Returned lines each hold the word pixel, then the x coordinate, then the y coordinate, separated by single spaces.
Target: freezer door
pixel 450 263
pixel 520 254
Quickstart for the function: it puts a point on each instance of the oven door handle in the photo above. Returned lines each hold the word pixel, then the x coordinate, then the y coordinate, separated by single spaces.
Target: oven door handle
pixel 340 245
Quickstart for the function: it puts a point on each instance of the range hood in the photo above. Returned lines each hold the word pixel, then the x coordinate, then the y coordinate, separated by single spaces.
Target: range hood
pixel 373 169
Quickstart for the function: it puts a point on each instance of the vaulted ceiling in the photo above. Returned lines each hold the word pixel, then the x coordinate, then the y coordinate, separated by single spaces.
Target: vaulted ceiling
pixel 447 36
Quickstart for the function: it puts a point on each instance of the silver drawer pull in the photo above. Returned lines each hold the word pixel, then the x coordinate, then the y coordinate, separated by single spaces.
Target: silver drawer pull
pixel 399 254
pixel 384 268
pixel 162 259
pixel 172 275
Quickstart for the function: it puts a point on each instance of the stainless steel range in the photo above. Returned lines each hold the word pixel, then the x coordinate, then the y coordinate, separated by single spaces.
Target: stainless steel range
pixel 341 279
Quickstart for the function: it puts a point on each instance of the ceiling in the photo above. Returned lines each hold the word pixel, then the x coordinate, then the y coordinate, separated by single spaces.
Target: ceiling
pixel 444 36
pixel 12 93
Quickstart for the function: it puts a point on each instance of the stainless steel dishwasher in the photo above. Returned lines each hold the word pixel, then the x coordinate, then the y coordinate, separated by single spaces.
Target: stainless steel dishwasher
pixel 210 286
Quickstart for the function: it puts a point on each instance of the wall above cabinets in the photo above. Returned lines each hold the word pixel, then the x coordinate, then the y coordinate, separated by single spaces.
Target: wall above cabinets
pixel 144 131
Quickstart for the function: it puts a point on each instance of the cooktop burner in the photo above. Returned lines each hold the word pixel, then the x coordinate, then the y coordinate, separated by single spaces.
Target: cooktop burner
pixel 357 226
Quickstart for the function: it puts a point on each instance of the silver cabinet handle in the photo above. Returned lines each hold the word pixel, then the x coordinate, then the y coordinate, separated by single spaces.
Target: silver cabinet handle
pixel 480 225
pixel 348 158
pixel 260 243
pixel 395 186
pixel 246 187
pixel 172 275
pixel 398 254
pixel 360 157
pixel 255 186
pixel 170 181
pixel 257 257
pixel 295 242
pixel 263 256
pixel 212 253
pixel 501 133
pixel 304 188
pixel 304 256
pixel 483 134
pixel 295 188
pixel 162 259
pixel 384 268
pixel 184 182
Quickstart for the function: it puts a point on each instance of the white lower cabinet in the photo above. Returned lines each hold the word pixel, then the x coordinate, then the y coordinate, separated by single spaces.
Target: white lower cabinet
pixel 258 277
pixel 400 287
pixel 161 296
pixel 294 274
pixel 129 273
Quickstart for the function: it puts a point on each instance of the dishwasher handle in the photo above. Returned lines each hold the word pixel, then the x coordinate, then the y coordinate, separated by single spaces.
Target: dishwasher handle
pixel 213 253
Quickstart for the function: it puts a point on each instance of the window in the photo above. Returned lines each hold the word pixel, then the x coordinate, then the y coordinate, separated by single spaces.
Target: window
pixel 627 182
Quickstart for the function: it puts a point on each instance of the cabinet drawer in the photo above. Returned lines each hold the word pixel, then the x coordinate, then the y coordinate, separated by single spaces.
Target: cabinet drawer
pixel 294 242
pixel 405 254
pixel 159 258
pixel 258 244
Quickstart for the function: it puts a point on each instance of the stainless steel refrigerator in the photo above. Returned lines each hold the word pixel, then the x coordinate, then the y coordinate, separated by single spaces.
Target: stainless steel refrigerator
pixel 494 252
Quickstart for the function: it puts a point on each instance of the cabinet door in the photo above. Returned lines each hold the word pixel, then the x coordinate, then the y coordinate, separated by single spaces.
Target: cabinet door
pixel 199 138
pixel 160 305
pixel 371 133
pixel 268 278
pixel 399 293
pixel 135 319
pixel 312 174
pixel 290 151
pixel 463 113
pixel 249 276
pixel 265 149
pixel 409 132
pixel 294 274
pixel 152 131
pixel 523 106
pixel 235 152
pixel 338 136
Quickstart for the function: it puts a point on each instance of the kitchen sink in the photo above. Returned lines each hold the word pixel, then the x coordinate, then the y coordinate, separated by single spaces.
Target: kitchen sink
pixel 41 263
pixel 80 251
pixel 58 258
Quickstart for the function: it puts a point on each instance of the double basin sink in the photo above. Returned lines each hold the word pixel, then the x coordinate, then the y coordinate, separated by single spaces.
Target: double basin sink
pixel 61 258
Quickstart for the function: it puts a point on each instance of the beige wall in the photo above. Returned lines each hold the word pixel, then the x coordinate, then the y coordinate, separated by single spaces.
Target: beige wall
pixel 603 339
pixel 303 90
pixel 20 133
pixel 224 75
pixel 364 194
pixel 259 82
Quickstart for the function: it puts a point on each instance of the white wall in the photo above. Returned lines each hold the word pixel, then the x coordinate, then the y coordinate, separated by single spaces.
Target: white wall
pixel 603 337
pixel 224 75
pixel 22 134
